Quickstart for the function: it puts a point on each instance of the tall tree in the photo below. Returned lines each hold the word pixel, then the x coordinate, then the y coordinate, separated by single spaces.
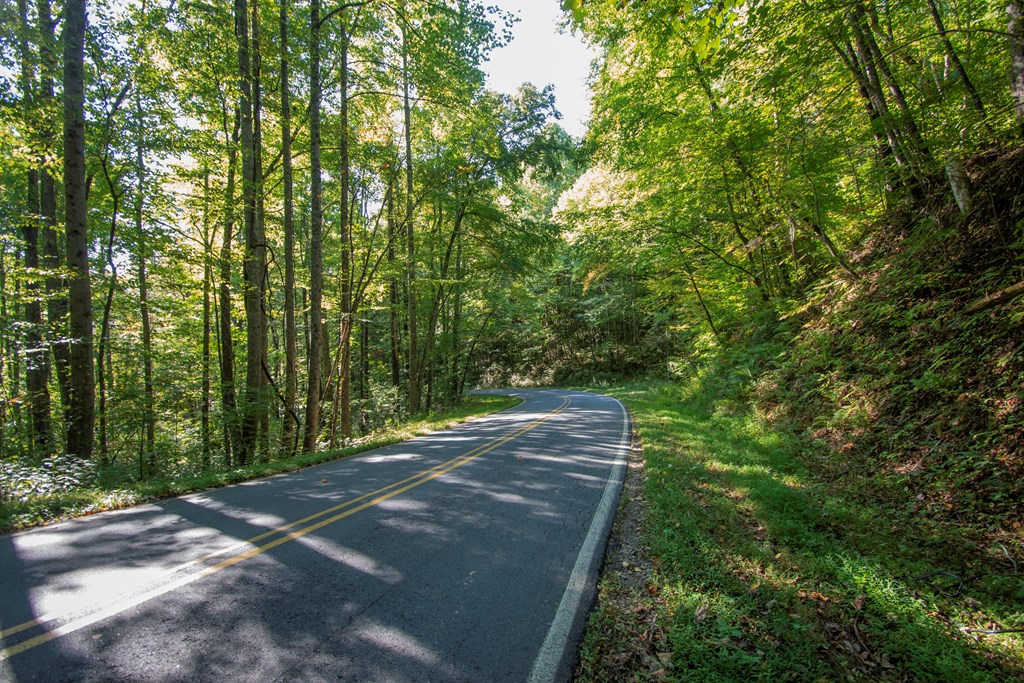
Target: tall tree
pixel 290 426
pixel 37 371
pixel 313 397
pixel 81 413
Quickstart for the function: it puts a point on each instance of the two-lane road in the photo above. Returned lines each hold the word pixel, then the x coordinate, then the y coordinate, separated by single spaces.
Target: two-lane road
pixel 466 555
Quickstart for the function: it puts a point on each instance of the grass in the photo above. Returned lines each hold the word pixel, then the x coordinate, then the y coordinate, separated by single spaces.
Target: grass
pixel 760 569
pixel 117 491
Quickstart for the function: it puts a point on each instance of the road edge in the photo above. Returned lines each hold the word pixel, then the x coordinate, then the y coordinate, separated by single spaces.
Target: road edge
pixel 556 659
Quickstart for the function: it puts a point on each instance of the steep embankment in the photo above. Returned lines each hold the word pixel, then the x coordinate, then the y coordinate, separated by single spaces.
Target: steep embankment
pixel 914 376
pixel 838 496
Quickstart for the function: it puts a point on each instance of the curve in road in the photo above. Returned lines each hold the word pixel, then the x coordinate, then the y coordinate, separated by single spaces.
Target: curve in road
pixel 467 555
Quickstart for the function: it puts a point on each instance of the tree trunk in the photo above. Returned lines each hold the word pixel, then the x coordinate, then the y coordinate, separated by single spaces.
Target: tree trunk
pixel 316 238
pixel 393 299
pixel 229 403
pixel 207 287
pixel 345 340
pixel 289 429
pixel 1015 29
pixel 148 399
pixel 37 365
pixel 102 367
pixel 700 300
pixel 253 247
pixel 364 377
pixel 958 66
pixel 83 391
pixel 259 238
pixel 414 371
pixel 456 350
pixel 56 287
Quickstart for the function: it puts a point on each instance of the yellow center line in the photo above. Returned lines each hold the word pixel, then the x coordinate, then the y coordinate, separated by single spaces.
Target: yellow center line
pixel 375 497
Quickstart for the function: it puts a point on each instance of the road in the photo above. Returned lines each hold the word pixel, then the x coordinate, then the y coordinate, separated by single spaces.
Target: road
pixel 466 555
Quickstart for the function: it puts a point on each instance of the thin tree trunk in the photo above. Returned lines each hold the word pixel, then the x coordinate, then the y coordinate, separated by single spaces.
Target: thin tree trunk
pixel 393 299
pixel 289 429
pixel 229 403
pixel 244 449
pixel 700 300
pixel 958 66
pixel 102 366
pixel 148 407
pixel 56 287
pixel 414 371
pixel 316 239
pixel 1015 29
pixel 83 391
pixel 456 350
pixel 345 371
pixel 207 287
pixel 259 238
pixel 364 376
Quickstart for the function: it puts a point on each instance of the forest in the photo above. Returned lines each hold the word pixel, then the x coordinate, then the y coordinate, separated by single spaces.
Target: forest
pixel 235 233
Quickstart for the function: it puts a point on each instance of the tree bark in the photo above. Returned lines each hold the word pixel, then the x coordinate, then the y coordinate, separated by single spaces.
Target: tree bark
pixel 207 306
pixel 394 337
pixel 56 287
pixel 290 428
pixel 83 391
pixel 312 426
pixel 414 371
pixel 229 402
pixel 148 399
pixel 102 367
pixel 37 365
pixel 259 238
pixel 345 341
pixel 1015 29
pixel 252 272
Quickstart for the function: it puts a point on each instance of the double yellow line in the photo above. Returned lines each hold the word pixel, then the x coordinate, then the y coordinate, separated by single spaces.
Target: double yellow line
pixel 326 517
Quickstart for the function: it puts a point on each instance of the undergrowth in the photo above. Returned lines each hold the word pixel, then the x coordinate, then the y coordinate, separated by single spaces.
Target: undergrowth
pixel 35 496
pixel 764 570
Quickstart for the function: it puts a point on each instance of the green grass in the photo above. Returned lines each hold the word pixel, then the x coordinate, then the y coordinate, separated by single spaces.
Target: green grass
pixel 763 571
pixel 118 491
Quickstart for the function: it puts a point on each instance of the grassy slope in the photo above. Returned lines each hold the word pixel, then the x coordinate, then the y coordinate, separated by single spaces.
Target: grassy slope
pixel 804 490
pixel 35 510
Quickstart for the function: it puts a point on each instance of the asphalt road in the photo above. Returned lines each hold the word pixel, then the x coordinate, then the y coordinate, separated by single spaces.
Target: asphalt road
pixel 466 555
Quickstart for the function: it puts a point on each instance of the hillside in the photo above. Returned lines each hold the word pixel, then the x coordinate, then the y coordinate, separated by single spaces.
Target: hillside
pixel 836 494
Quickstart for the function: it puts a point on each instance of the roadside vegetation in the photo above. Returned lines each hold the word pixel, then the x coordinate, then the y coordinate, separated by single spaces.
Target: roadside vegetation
pixel 59 490
pixel 755 563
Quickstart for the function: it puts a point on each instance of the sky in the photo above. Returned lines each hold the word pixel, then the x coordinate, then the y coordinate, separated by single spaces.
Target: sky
pixel 541 55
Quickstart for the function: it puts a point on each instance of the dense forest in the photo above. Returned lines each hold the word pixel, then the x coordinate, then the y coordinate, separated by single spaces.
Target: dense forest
pixel 262 228
pixel 237 232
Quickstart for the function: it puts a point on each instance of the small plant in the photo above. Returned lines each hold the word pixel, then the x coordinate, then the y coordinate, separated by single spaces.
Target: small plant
pixel 20 481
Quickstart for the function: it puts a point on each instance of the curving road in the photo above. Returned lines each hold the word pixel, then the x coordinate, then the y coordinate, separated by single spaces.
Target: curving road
pixel 466 555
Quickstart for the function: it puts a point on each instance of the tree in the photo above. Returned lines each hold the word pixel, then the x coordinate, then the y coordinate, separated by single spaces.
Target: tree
pixel 82 398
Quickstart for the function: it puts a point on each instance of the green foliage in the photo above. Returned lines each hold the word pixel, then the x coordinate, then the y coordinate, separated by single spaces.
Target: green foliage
pixel 766 569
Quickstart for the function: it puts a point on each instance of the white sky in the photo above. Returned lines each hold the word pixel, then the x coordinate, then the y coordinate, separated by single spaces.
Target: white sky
pixel 539 54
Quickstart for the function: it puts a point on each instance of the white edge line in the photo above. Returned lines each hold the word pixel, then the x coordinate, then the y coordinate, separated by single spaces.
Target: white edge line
pixel 545 667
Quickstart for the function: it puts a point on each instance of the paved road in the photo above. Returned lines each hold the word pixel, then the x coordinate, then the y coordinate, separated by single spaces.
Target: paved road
pixel 466 555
